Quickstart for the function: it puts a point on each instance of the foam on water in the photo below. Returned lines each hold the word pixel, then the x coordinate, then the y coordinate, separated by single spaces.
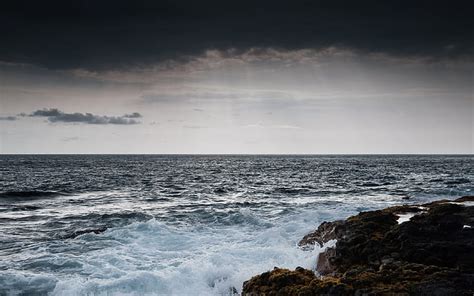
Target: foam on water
pixel 151 258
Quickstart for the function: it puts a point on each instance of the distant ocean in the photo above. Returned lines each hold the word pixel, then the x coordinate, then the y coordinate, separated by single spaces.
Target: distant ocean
pixel 189 225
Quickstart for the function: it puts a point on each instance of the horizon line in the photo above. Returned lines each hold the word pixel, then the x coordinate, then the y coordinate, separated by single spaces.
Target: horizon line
pixel 247 154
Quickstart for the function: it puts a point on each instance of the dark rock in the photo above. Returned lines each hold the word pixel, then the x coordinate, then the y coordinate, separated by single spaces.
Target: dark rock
pixel 431 254
pixel 84 231
pixel 324 265
pixel 465 198
pixel 299 282
pixel 326 231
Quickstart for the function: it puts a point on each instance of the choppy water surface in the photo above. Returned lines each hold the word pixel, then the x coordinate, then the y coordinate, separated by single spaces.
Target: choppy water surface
pixel 189 225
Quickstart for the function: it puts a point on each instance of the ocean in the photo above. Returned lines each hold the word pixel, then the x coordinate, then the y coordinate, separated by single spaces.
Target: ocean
pixel 186 224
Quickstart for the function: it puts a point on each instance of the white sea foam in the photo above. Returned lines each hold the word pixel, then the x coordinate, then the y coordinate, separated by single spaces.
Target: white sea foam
pixel 157 258
pixel 405 217
pixel 152 258
pixel 464 203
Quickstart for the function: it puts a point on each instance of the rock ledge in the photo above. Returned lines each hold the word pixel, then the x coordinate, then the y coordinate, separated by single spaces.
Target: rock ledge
pixel 403 250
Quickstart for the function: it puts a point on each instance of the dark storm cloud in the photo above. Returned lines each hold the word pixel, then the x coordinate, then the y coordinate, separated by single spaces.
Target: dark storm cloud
pixel 47 113
pixel 55 115
pixel 133 115
pixel 8 118
pixel 112 34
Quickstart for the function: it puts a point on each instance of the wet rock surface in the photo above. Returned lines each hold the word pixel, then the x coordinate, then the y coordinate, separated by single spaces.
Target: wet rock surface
pixel 431 253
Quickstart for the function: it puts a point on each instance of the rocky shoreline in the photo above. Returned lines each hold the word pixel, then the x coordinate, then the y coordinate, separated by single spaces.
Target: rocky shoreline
pixel 423 249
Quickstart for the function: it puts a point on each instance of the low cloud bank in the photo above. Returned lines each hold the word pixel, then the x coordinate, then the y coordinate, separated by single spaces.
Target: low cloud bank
pixel 55 115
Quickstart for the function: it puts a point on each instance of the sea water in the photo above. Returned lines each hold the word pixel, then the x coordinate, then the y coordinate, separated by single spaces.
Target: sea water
pixel 189 225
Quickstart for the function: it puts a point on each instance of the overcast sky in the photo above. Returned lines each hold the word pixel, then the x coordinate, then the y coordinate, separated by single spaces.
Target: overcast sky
pixel 236 77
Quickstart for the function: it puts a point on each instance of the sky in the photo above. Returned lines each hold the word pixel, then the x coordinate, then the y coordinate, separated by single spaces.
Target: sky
pixel 236 77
